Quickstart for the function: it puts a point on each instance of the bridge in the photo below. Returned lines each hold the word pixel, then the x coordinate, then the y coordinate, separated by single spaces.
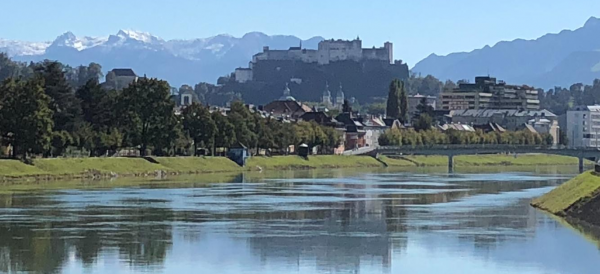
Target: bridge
pixel 455 150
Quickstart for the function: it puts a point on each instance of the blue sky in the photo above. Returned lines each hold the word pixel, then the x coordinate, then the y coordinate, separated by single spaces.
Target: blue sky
pixel 416 27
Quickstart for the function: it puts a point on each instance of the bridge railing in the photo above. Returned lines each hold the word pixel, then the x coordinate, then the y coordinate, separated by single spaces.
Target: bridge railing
pixel 480 147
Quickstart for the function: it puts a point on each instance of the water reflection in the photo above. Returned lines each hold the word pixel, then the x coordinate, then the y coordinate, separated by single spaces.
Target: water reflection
pixel 303 222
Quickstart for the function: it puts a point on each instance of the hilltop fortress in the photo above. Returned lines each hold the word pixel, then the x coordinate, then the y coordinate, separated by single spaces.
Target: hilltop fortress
pixel 364 72
pixel 329 51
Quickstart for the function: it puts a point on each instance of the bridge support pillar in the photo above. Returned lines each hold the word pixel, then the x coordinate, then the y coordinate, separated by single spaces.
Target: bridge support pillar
pixel 450 163
pixel 580 164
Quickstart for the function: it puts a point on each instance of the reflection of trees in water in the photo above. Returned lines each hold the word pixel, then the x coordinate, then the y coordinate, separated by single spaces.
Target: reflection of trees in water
pixel 41 243
pixel 338 239
pixel 145 236
pixel 27 245
pixel 338 234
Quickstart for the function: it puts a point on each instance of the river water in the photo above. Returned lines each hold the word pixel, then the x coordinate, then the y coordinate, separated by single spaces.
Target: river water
pixel 333 221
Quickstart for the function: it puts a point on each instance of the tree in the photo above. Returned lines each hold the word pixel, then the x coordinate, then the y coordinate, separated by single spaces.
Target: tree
pixel 425 108
pixel 403 104
pixel 199 125
pixel 26 116
pixel 147 114
pixel 225 134
pixel 63 103
pixel 244 124
pixel 423 122
pixel 376 108
pixel 393 101
pixel 10 68
pixel 562 138
pixel 449 85
pixel 346 108
pixel 96 104
pixel 392 137
pixel 92 72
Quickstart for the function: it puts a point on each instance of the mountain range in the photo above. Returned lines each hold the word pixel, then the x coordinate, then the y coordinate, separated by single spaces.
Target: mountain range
pixel 178 61
pixel 561 59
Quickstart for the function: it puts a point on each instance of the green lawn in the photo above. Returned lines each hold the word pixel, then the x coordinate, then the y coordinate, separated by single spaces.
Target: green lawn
pixel 520 160
pixel 73 166
pixel 198 164
pixel 15 168
pixel 558 200
pixel 320 161
pixel 399 162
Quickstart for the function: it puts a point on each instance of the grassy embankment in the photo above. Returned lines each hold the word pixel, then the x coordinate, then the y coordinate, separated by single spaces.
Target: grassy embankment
pixel 330 161
pixel 578 190
pixel 313 162
pixel 85 167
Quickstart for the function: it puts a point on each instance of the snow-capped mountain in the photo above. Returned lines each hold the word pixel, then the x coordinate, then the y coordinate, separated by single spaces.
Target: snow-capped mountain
pixel 19 48
pixel 178 61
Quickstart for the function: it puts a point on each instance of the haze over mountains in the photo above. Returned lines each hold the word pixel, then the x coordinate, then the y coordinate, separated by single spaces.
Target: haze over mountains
pixel 178 61
pixel 568 57
pixel 552 60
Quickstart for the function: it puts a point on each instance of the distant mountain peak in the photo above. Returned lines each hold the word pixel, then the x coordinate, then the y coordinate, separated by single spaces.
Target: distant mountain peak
pixel 592 22
pixel 68 39
pixel 141 36
pixel 561 58
pixel 67 36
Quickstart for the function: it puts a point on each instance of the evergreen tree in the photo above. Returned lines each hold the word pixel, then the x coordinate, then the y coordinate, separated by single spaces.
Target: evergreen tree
pixel 26 118
pixel 403 103
pixel 96 104
pixel 393 102
pixel 63 103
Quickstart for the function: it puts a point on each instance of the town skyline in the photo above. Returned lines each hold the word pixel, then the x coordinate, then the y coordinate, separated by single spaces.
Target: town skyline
pixel 184 19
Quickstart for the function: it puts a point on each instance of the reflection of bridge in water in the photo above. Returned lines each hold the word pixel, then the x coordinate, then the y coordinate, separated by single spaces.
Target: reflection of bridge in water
pixel 455 150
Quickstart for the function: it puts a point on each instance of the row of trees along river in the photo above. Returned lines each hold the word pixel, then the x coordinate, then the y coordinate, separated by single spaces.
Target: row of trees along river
pixel 48 107
pixel 45 112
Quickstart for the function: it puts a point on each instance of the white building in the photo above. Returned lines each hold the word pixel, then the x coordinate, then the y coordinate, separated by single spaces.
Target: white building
pixel 340 97
pixel 583 126
pixel 543 125
pixel 327 52
pixel 243 75
pixel 120 78
pixel 326 98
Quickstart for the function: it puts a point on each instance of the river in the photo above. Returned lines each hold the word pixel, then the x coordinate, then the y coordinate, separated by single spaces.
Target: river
pixel 329 221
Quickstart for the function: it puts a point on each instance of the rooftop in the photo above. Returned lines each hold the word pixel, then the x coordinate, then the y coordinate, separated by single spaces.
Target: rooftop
pixel 124 72
pixel 503 112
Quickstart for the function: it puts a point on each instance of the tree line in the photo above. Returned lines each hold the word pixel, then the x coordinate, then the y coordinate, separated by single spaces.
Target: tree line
pixel 411 137
pixel 47 108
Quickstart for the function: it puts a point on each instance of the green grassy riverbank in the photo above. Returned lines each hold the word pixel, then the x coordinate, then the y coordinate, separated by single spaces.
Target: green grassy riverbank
pixel 104 167
pixel 579 189
pixel 578 200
